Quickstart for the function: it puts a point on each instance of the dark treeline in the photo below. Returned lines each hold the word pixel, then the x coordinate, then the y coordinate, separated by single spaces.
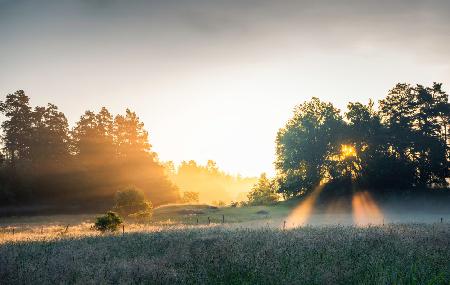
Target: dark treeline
pixel 403 145
pixel 43 162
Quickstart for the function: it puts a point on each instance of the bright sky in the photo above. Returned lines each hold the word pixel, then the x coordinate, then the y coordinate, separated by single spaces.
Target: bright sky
pixel 216 79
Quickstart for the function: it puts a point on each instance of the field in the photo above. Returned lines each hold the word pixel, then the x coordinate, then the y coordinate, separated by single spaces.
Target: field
pixel 251 247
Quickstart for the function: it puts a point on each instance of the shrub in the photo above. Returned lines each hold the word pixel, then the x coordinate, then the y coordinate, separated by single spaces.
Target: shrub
pixel 108 222
pixel 190 197
pixel 131 203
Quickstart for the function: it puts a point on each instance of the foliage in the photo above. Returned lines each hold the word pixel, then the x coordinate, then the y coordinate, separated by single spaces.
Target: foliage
pixel 304 145
pixel 44 160
pixel 190 197
pixel 108 222
pixel 209 181
pixel 130 202
pixel 402 145
pixel 263 192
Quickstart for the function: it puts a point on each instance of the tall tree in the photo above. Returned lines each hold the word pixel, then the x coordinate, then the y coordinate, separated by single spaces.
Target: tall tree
pixel 93 138
pixel 415 118
pixel 18 126
pixel 303 146
pixel 49 138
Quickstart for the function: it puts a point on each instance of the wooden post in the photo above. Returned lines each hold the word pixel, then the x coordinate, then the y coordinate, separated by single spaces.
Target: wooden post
pixel 123 229
pixel 42 230
pixel 209 221
pixel 197 220
pixel 67 228
pixel 223 219
pixel 441 220
pixel 13 231
pixel 284 225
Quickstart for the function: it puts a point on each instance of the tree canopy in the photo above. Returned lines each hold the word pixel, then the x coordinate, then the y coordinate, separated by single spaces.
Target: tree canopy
pixel 46 161
pixel 404 144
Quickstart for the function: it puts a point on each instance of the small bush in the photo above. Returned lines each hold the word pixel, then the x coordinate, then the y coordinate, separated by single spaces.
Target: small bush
pixel 190 197
pixel 108 222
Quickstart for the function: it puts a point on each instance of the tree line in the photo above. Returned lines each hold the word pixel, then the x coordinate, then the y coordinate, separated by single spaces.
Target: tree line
pixel 401 145
pixel 211 184
pixel 44 161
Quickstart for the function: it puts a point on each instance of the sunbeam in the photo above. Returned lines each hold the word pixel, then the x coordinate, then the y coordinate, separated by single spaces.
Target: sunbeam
pixel 300 215
pixel 365 209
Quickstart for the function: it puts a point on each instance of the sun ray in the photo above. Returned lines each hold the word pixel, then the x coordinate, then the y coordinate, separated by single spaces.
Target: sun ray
pixel 365 209
pixel 300 215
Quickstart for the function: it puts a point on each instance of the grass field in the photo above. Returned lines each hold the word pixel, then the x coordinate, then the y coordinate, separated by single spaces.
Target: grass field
pixel 251 247
pixel 394 254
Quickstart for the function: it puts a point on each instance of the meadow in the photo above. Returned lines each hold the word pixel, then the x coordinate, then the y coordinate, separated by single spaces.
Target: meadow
pixel 250 247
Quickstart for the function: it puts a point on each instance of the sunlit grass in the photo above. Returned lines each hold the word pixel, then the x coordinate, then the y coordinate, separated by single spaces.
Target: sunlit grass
pixel 392 254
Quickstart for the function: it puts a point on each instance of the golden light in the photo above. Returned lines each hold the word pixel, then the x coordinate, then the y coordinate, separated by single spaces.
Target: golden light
pixel 365 210
pixel 301 214
pixel 347 151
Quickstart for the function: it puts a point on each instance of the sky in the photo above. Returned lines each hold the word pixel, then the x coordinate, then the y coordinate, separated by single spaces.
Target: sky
pixel 216 79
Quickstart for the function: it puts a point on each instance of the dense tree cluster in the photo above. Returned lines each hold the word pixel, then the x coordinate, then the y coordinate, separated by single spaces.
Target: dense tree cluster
pixel 404 144
pixel 43 160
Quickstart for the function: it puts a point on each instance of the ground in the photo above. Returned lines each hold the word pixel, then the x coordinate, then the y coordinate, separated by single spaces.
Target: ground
pixel 252 246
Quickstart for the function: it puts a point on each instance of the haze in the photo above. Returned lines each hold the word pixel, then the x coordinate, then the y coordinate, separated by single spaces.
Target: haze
pixel 217 79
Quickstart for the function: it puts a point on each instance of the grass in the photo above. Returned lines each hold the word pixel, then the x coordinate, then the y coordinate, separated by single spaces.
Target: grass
pixel 251 247
pixel 392 254
pixel 188 214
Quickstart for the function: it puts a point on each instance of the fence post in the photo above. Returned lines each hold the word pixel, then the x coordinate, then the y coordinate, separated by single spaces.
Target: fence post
pixel 209 221
pixel 441 220
pixel 123 229
pixel 197 220
pixel 223 219
pixel 284 225
pixel 67 228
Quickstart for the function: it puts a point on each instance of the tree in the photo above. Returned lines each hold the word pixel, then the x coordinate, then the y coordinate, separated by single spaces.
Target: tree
pixel 263 192
pixel 93 138
pixel 131 202
pixel 130 136
pixel 108 222
pixel 304 145
pixel 18 126
pixel 415 118
pixel 49 149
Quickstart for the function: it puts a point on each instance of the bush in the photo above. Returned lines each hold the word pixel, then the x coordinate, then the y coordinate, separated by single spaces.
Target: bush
pixel 190 197
pixel 108 222
pixel 131 203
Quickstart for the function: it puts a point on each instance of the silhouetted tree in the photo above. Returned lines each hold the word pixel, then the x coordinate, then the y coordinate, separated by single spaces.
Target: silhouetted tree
pixel 305 144
pixel 17 128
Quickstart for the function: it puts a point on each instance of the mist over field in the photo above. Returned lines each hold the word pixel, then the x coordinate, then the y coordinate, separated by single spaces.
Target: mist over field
pixel 224 142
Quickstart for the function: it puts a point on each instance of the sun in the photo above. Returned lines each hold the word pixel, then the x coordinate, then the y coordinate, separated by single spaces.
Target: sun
pixel 347 151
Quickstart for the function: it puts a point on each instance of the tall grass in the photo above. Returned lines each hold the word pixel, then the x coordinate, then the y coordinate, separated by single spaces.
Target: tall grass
pixel 391 254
